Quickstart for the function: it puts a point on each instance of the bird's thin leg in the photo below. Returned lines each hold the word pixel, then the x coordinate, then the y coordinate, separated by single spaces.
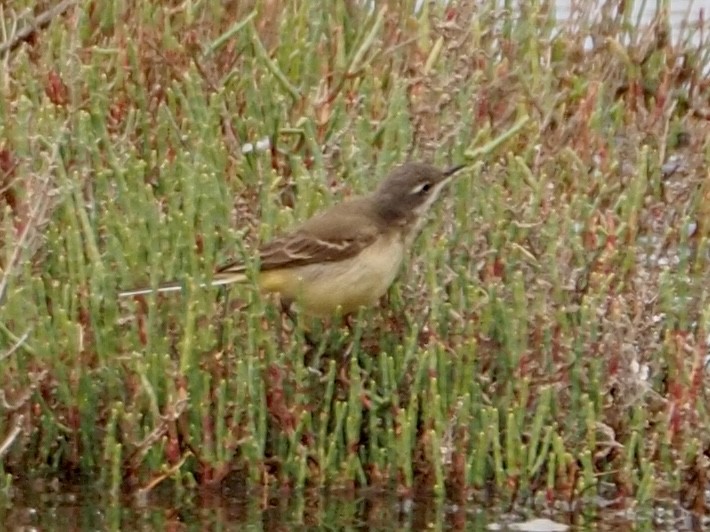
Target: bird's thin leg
pixel 287 309
pixel 355 334
pixel 313 351
pixel 349 323
pixel 343 377
pixel 386 300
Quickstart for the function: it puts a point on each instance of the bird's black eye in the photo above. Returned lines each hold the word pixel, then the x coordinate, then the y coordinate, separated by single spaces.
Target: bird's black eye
pixel 421 188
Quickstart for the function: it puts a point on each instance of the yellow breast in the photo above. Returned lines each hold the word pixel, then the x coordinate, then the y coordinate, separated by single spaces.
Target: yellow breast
pixel 320 289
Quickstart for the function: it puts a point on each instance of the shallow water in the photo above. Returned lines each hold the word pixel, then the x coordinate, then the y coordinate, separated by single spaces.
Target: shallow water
pixel 284 511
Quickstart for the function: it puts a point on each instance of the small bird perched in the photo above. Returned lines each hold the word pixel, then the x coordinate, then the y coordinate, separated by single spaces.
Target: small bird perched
pixel 348 255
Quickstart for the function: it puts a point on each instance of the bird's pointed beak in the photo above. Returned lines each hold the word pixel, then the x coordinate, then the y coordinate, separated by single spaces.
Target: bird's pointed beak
pixel 451 171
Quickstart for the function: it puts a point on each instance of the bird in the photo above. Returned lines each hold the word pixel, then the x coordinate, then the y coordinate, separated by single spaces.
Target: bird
pixel 348 255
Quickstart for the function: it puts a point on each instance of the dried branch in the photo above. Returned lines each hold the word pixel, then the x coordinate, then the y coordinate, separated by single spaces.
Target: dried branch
pixel 41 21
pixel 37 216
pixel 10 439
pixel 19 403
pixel 18 344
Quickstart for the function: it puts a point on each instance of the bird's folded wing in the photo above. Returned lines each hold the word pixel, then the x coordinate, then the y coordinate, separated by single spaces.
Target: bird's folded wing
pixel 326 238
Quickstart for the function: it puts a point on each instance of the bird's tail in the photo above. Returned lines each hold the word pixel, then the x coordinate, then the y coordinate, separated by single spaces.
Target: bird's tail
pixel 221 278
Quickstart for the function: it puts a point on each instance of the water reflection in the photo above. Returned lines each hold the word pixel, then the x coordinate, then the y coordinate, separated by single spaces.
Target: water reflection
pixel 215 511
pixel 222 510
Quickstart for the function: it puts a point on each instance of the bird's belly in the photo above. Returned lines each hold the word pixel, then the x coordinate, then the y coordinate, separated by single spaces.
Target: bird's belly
pixel 320 289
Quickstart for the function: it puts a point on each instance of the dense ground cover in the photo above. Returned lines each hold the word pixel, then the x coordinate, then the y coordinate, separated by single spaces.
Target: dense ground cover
pixel 547 341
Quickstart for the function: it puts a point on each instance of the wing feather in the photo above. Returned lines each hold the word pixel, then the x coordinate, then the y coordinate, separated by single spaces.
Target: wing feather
pixel 331 236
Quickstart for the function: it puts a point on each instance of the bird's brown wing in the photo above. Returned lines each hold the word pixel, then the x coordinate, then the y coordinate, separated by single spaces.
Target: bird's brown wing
pixel 327 237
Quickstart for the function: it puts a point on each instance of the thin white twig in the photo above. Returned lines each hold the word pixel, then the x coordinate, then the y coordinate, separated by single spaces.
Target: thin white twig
pixel 15 347
pixel 14 433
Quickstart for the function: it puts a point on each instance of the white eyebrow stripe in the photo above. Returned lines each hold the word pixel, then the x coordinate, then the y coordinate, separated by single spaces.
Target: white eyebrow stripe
pixel 417 189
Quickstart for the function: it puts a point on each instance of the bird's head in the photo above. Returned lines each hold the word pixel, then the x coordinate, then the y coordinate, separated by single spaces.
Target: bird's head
pixel 411 189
